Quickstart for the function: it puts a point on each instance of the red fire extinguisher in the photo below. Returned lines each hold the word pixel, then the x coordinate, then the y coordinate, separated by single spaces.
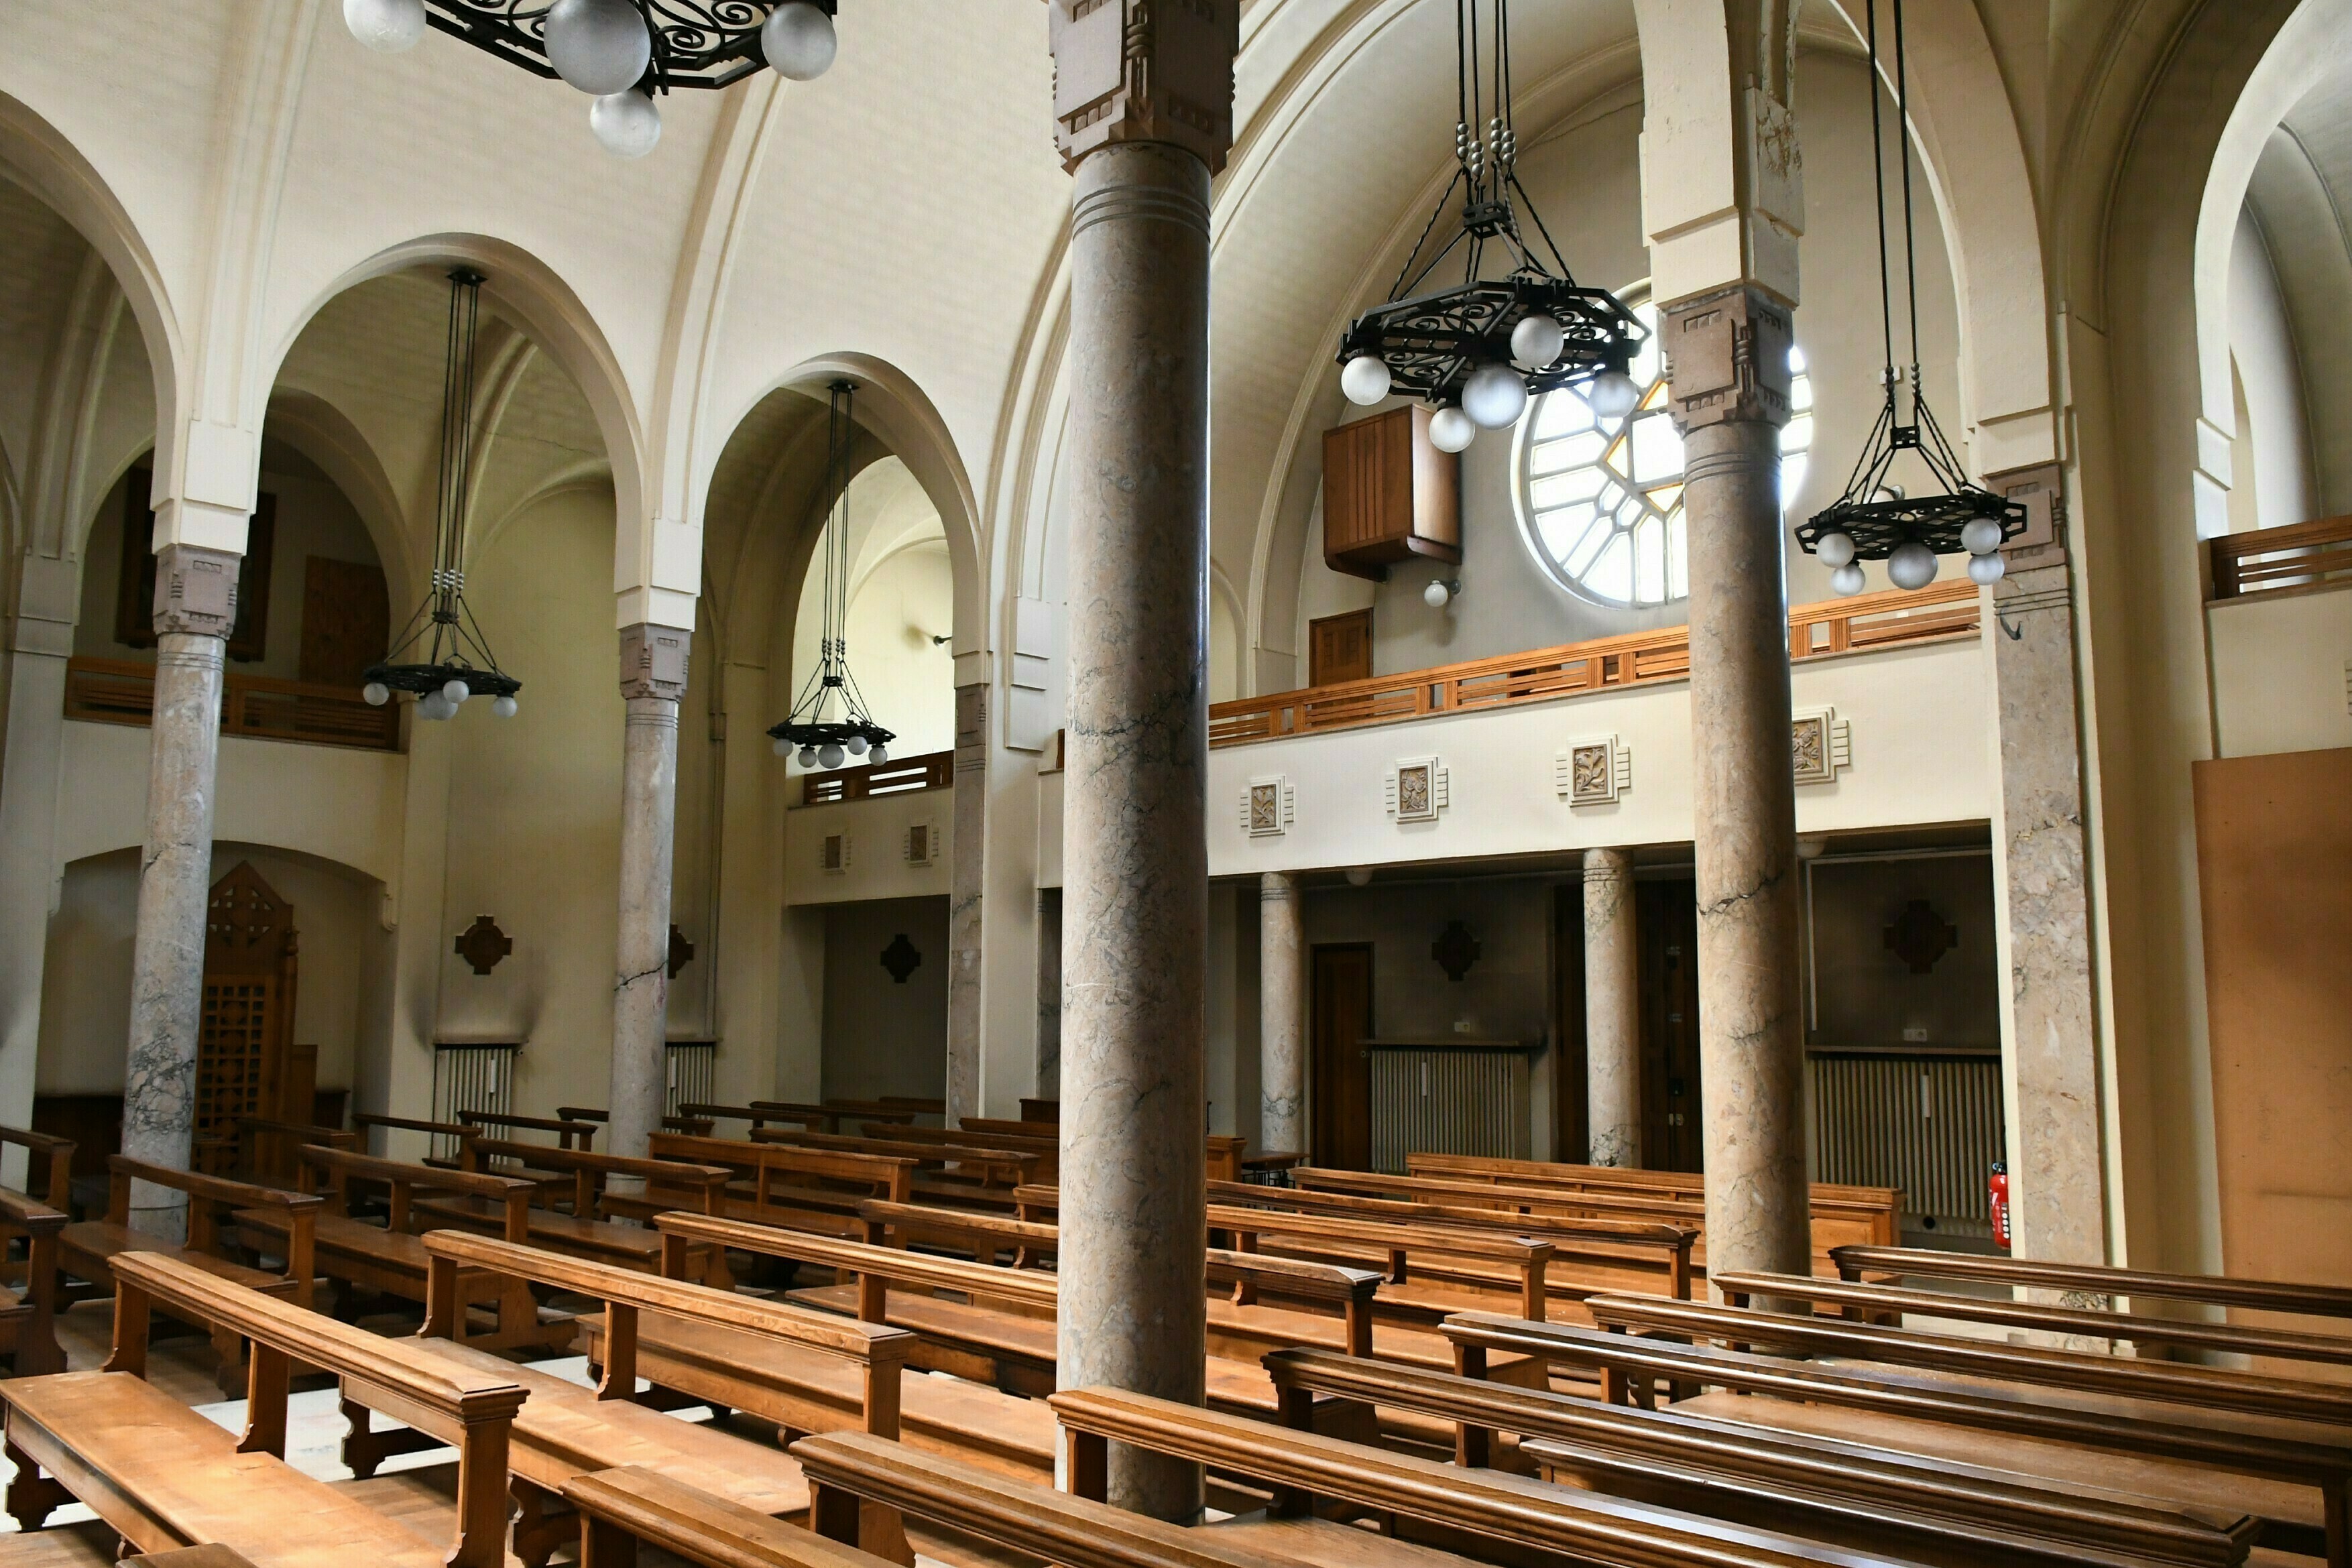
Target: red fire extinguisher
pixel 1998 1186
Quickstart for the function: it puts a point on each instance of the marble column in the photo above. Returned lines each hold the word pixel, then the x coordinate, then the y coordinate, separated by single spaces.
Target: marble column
pixel 653 680
pixel 1136 875
pixel 1282 1016
pixel 196 607
pixel 1729 351
pixel 1612 1011
pixel 2058 1186
pixel 967 881
pixel 41 641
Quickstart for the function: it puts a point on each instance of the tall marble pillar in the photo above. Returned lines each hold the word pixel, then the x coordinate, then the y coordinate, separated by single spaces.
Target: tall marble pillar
pixel 1282 1016
pixel 966 880
pixel 1142 104
pixel 2058 1185
pixel 196 607
pixel 1731 395
pixel 653 680
pixel 1612 1011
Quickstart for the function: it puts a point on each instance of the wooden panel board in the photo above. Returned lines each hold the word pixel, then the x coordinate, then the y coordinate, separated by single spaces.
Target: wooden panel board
pixel 2275 871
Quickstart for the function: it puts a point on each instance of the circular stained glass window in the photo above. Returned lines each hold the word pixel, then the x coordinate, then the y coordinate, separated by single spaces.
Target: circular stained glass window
pixel 1601 499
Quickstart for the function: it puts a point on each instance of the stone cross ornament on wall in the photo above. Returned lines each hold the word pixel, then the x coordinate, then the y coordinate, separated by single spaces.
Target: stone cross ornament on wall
pixel 1456 949
pixel 681 951
pixel 482 945
pixel 900 958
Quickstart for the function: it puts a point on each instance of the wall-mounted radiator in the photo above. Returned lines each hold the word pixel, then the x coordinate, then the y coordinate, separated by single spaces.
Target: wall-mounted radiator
pixel 1929 1125
pixel 1447 1099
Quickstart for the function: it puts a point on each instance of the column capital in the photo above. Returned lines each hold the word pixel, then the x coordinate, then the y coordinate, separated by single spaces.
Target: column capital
pixel 195 591
pixel 1144 70
pixel 653 661
pixel 1728 359
pixel 1277 887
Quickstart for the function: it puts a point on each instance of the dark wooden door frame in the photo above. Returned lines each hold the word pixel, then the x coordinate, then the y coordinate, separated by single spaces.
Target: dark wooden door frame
pixel 1324 1074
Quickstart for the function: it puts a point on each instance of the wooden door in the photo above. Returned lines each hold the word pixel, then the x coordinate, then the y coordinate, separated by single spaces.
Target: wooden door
pixel 1666 922
pixel 346 620
pixel 1571 1126
pixel 1339 648
pixel 1341 1021
pixel 244 1032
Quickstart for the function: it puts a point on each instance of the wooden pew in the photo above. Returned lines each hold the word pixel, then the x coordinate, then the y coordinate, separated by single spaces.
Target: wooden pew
pixel 683 1121
pixel 391 1259
pixel 2140 1381
pixel 704 1112
pixel 49 1165
pixel 803 1189
pixel 584 1232
pixel 1836 1223
pixel 565 1129
pixel 1483 1512
pixel 830 1117
pixel 88 1248
pixel 2089 1285
pixel 1934 1510
pixel 1888 1305
pixel 567 1431
pixel 621 1509
pixel 265 1148
pixel 961 1173
pixel 2202 1464
pixel 1589 1256
pixel 1877 1208
pixel 28 1318
pixel 165 1477
pixel 365 1122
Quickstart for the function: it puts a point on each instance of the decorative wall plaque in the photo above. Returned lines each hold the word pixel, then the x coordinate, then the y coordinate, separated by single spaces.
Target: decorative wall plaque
pixel 832 854
pixel 482 945
pixel 900 958
pixel 1267 807
pixel 922 845
pixel 1592 772
pixel 1920 937
pixel 1456 949
pixel 681 951
pixel 1820 744
pixel 1417 790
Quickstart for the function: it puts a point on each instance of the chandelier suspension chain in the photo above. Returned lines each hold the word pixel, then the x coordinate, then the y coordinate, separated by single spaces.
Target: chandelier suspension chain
pixel 824 741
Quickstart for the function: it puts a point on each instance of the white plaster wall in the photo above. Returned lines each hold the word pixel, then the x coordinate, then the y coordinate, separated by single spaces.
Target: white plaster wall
pixel 2283 672
pixel 1921 754
pixel 877 834
pixel 2262 345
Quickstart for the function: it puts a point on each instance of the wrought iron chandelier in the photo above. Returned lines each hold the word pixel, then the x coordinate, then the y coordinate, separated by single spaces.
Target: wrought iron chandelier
pixel 823 741
pixel 1479 349
pixel 448 659
pixel 1875 519
pixel 621 52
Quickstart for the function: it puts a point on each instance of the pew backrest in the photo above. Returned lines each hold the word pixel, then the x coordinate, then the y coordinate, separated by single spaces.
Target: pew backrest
pixel 471 1408
pixel 210 1198
pixel 2212 1388
pixel 265 1147
pixel 340 1167
pixel 620 1507
pixel 37 1350
pixel 49 1162
pixel 565 1130
pixel 878 1350
pixel 2089 1284
pixel 994 1166
pixel 458 1133
pixel 1878 1303
pixel 703 1186
pixel 788 1187
pixel 1529 1257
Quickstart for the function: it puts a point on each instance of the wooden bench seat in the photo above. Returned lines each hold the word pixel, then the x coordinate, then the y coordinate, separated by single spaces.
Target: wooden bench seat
pixel 568 1430
pixel 2297 1488
pixel 391 1259
pixel 166 1478
pixel 604 1240
pixel 1837 1490
pixel 620 1509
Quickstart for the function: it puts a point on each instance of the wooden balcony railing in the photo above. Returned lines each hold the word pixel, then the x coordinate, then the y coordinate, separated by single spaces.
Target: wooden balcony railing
pixel 1860 625
pixel 116 691
pixel 2265 560
pixel 899 776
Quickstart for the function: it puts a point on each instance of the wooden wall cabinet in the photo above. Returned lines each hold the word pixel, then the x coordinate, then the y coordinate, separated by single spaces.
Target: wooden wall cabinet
pixel 1389 495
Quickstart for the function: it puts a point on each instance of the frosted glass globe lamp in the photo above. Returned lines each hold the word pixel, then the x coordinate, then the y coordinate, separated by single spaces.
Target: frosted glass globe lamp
pixel 879 756
pixel 808 756
pixel 1613 394
pixel 1538 339
pixel 454 691
pixel 1493 397
pixel 857 744
pixel 1988 568
pixel 799 41
pixel 504 707
pixel 598 45
pixel 376 693
pixel 387 26
pixel 1847 581
pixel 1450 429
pixel 830 756
pixel 1981 536
pixel 1834 550
pixel 1365 380
pixel 1911 565
pixel 1441 592
pixel 627 123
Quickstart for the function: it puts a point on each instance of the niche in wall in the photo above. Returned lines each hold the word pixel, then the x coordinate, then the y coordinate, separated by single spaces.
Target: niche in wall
pixel 884 1035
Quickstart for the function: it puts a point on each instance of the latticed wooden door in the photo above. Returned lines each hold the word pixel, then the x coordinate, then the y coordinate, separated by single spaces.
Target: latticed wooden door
pixel 250 951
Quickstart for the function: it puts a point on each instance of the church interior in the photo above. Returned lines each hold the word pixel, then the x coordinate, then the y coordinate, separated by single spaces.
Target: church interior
pixel 1623 835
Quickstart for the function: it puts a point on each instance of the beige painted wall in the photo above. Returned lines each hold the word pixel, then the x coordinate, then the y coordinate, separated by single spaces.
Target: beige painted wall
pixel 2282 671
